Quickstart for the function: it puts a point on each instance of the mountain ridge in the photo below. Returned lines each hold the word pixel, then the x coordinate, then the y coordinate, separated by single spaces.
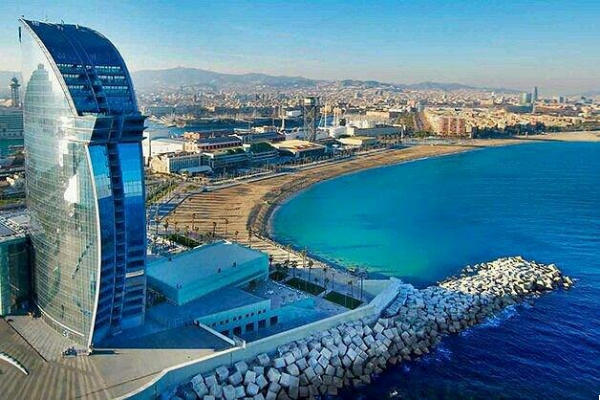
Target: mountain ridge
pixel 149 79
pixel 185 76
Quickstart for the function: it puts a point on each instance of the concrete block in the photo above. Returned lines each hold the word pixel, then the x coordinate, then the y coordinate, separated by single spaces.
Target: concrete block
pixel 236 378
pixel 293 369
pixel 323 361
pixel 302 364
pixel 274 387
pixel 210 380
pixel 222 373
pixel 229 392
pixel 240 392
pixel 285 380
pixel 200 388
pixel 289 358
pixel 252 389
pixel 279 362
pixel 310 373
pixel 249 377
pixel 297 353
pixel 261 381
pixel 241 367
pixel 325 352
pixel 273 375
pixel 293 392
pixel 263 359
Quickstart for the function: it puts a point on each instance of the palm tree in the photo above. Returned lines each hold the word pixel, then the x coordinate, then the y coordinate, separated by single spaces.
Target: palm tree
pixel 236 233
pixel 226 223
pixel 325 269
pixel 193 220
pixel 310 267
pixel 214 231
pixel 294 265
pixel 279 271
pixel 304 258
pixel 166 225
pixel 286 267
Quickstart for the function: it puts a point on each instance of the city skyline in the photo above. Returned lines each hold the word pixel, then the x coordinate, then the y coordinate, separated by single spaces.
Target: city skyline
pixel 515 46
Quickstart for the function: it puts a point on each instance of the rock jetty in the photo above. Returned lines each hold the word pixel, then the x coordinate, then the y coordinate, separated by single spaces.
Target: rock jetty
pixel 352 354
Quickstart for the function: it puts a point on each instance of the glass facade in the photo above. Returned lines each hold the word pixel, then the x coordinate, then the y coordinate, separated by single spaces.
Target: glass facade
pixel 85 181
pixel 14 273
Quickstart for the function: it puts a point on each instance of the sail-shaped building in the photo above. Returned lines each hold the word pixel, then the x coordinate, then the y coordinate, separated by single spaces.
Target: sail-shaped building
pixel 85 181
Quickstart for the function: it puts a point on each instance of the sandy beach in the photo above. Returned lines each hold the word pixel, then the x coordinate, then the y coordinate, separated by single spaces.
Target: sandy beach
pixel 249 205
pixel 584 136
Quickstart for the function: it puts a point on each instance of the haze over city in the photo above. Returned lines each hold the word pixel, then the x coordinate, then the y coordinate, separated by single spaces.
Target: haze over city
pixel 493 44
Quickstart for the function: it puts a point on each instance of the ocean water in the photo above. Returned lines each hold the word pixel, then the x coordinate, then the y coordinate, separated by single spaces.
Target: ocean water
pixel 425 220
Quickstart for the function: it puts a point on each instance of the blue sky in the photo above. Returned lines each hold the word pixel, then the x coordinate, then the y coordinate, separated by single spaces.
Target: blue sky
pixel 552 44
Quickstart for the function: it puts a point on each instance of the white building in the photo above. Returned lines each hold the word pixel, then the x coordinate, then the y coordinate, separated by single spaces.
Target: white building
pixel 160 146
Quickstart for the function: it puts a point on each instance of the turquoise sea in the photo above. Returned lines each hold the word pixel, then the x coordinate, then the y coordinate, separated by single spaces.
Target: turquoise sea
pixel 424 220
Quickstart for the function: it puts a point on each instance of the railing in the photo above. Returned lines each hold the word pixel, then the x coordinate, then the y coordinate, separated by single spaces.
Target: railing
pixel 14 362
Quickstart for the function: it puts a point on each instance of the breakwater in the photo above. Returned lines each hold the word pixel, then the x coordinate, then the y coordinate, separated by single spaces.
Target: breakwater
pixel 353 353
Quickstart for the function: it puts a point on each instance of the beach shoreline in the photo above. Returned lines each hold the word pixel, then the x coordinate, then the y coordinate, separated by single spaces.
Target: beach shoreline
pixel 244 211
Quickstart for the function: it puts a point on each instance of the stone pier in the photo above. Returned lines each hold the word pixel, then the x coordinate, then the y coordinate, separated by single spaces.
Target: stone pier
pixel 353 354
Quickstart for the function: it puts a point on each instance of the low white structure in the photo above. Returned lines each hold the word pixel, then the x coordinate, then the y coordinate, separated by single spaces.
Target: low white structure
pixel 300 148
pixel 172 163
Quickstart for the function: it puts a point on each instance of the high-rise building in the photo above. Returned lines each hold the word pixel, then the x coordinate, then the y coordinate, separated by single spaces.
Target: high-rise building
pixel 525 99
pixel 534 94
pixel 85 181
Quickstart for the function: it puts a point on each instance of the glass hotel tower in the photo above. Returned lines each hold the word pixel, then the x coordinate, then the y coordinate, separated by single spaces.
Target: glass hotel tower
pixel 85 181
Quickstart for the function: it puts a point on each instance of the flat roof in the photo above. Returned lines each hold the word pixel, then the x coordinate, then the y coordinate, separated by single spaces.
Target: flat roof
pixel 201 262
pixel 298 144
pixel 213 303
pixel 170 140
pixel 10 230
pixel 219 139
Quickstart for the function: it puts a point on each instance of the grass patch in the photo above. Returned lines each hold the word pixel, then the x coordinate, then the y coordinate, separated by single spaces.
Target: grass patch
pixel 164 189
pixel 343 300
pixel 305 286
pixel 183 240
